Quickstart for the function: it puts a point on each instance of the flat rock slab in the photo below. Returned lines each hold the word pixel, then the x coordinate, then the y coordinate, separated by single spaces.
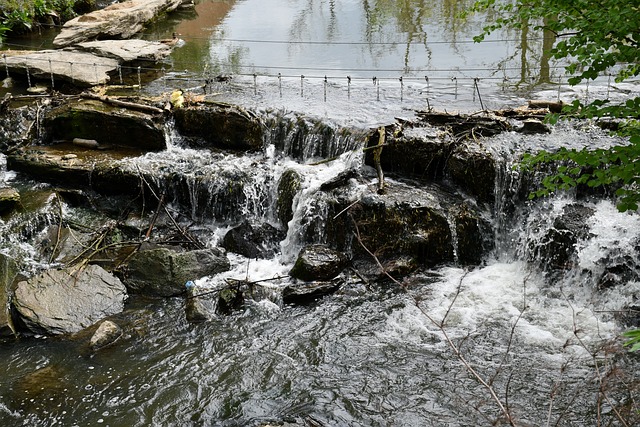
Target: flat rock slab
pixel 127 50
pixel 79 68
pixel 67 301
pixel 118 21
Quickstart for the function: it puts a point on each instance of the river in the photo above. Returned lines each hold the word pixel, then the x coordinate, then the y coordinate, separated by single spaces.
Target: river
pixel 372 354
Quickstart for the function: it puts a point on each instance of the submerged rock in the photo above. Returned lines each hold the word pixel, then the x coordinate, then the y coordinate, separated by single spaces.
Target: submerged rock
pixel 304 292
pixel 107 333
pixel 66 301
pixel 318 262
pixel 164 272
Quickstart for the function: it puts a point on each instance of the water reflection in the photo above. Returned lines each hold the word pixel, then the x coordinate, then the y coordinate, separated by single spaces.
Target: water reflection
pixel 361 38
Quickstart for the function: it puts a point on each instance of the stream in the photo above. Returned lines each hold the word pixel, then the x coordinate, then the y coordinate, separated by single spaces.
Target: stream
pixel 372 353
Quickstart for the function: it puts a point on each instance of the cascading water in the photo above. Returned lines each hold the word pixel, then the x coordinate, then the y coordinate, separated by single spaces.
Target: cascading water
pixel 371 354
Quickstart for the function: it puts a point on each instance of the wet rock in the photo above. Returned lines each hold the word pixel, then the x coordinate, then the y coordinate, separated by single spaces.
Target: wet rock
pixel 405 223
pixel 8 274
pixel 288 187
pixel 201 304
pixel 105 124
pixel 473 169
pixel 9 199
pixel 164 272
pixel 107 333
pixel 219 126
pixel 66 301
pixel 69 66
pixel 318 262
pixel 127 51
pixel 90 169
pixel 411 153
pixel 474 237
pixel 341 180
pixel 305 292
pixel 253 241
pixel 17 125
pixel 557 247
pixel 118 21
pixel 532 127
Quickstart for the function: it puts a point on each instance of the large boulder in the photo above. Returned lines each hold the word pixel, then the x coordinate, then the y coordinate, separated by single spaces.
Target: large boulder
pixel 8 273
pixel 107 125
pixel 68 300
pixel 405 228
pixel 219 126
pixel 127 51
pixel 164 272
pixel 118 21
pixel 77 67
pixel 318 262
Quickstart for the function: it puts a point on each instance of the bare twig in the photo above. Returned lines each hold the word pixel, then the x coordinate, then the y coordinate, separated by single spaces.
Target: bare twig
pixel 440 326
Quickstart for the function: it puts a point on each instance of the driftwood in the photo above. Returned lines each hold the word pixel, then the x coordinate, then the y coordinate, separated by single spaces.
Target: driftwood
pixel 552 106
pixel 125 104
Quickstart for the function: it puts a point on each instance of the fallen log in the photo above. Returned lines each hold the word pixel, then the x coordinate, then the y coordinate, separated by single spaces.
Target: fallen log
pixel 125 104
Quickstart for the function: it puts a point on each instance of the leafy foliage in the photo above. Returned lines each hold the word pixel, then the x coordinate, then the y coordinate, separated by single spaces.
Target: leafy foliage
pixel 20 16
pixel 633 339
pixel 596 35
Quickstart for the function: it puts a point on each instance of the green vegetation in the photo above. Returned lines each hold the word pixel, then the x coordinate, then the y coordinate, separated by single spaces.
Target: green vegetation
pixel 596 38
pixel 19 16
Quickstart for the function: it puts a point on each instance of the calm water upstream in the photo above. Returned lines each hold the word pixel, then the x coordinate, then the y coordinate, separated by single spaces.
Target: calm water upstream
pixel 368 355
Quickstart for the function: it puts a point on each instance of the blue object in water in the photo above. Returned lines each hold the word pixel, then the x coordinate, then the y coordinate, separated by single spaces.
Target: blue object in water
pixel 190 284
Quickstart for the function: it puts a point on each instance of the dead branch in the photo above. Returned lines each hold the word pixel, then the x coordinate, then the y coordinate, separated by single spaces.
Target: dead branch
pixel 125 104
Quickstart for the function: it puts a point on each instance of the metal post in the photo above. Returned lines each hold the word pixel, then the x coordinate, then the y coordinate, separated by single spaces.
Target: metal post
pixel 280 83
pixel 586 93
pixel 139 79
pixel 255 84
pixel 28 76
pixel 455 80
pixel 302 85
pixel 325 88
pixel 426 79
pixel 559 86
pixel 120 74
pixel 51 72
pixel 348 87
pixel 6 65
pixel 401 89
pixel 375 83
